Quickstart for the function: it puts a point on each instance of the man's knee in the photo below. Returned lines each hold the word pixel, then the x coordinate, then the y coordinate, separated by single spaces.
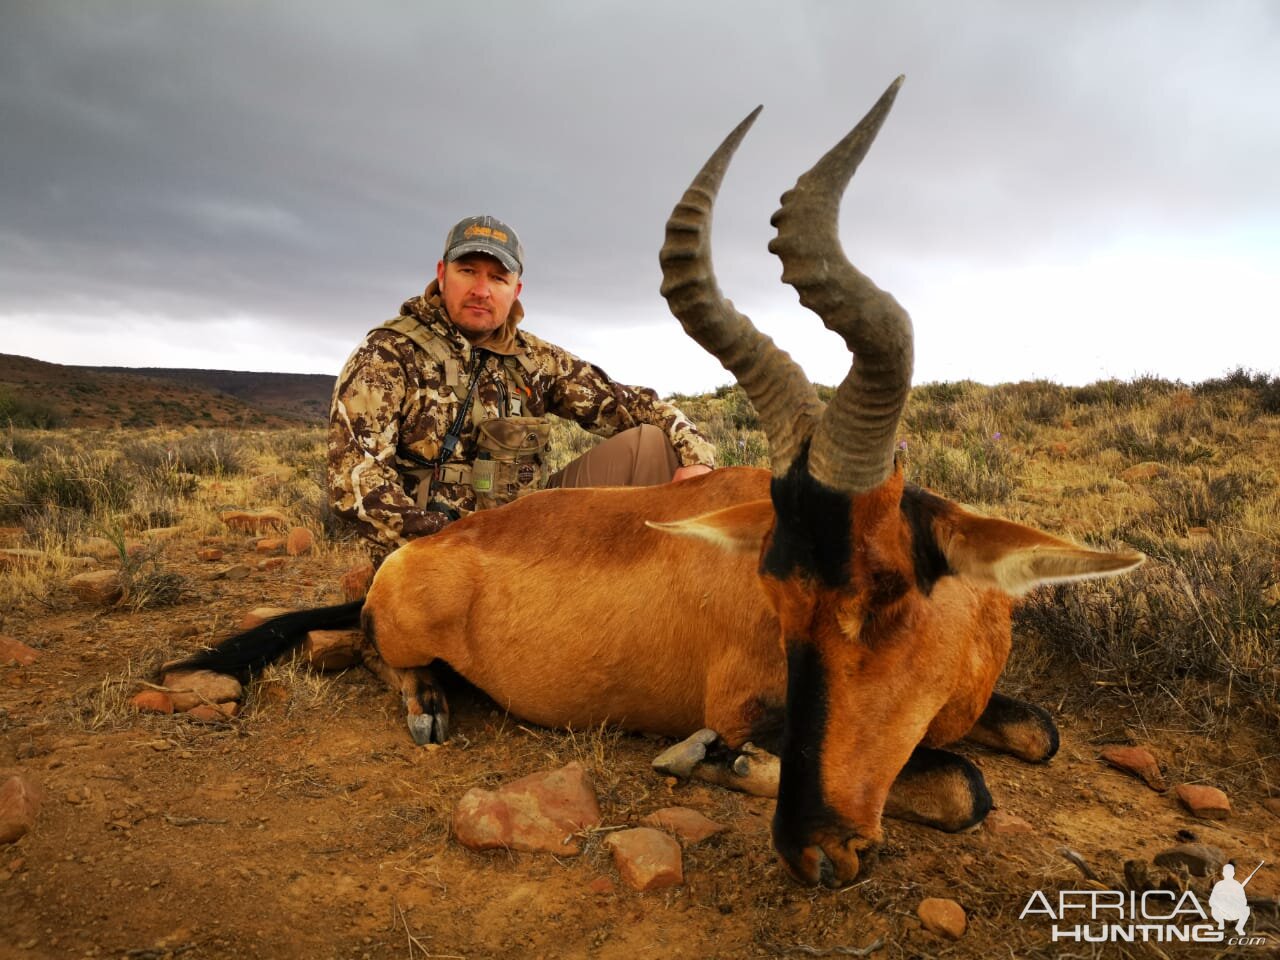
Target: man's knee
pixel 639 457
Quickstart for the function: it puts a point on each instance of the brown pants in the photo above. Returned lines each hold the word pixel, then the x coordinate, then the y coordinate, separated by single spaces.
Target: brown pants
pixel 639 457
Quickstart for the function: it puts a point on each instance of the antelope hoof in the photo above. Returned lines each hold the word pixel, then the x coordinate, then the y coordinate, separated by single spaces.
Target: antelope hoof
pixel 428 723
pixel 679 760
pixel 831 863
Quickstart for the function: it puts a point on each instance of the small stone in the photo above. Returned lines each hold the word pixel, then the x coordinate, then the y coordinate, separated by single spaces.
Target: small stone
pixel 12 559
pixel 355 582
pixel 1137 760
pixel 190 688
pixel 97 586
pixel 214 712
pixel 237 571
pixel 152 701
pixel 1200 859
pixel 1147 470
pixel 646 859
pixel 1004 824
pixel 300 540
pixel 260 615
pixel 209 554
pixel 689 825
pixel 15 651
pixel 332 649
pixel 269 545
pixel 1208 803
pixel 162 533
pixel 272 563
pixel 255 522
pixel 20 800
pixel 537 813
pixel 943 917
pixel 602 886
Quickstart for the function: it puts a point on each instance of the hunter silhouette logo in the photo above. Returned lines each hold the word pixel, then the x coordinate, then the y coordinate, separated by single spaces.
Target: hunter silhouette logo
pixel 1227 902
pixel 1148 916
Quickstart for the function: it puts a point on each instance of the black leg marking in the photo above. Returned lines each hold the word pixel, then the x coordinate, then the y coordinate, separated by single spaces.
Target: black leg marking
pixel 1021 729
pixel 939 789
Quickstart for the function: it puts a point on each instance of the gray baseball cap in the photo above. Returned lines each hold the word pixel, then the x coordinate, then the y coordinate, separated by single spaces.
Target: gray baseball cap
pixel 485 235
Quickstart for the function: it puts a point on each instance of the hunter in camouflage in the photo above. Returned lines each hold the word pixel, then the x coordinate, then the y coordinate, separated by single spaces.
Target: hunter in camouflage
pixel 405 386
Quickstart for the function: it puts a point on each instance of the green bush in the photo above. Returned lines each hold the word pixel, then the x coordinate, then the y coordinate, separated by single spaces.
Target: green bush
pixel 92 483
pixel 21 410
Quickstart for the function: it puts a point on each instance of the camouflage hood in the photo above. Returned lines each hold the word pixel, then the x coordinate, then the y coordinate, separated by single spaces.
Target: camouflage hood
pixel 429 310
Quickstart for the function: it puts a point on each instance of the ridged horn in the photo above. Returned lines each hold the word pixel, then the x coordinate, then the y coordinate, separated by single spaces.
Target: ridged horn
pixel 785 401
pixel 852 447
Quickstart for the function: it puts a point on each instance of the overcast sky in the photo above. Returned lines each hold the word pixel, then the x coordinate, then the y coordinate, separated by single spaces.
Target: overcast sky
pixel 1064 190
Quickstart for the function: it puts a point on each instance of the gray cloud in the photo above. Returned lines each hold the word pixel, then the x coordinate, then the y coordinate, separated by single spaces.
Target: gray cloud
pixel 300 162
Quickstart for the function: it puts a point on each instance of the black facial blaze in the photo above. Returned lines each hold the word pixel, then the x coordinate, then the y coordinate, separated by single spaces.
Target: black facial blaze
pixel 813 533
pixel 801 805
pixel 919 508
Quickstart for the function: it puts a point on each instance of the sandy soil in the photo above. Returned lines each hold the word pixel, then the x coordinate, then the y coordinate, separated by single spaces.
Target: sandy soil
pixel 312 827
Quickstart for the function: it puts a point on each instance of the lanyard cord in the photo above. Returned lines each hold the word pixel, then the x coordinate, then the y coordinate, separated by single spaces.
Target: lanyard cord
pixel 479 357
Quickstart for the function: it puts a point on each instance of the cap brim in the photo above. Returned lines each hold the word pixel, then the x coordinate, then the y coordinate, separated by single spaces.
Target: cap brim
pixel 500 254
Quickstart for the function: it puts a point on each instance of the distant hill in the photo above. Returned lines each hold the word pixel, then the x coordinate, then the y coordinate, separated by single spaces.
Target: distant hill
pixel 51 394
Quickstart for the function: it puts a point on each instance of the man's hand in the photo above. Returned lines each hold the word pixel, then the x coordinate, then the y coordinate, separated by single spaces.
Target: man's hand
pixel 693 470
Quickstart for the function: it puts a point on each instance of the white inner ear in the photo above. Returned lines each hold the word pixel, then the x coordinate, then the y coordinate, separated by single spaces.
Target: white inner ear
pixel 732 540
pixel 1019 571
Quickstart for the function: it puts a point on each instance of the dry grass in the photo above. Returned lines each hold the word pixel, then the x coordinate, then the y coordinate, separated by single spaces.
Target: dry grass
pixel 1188 638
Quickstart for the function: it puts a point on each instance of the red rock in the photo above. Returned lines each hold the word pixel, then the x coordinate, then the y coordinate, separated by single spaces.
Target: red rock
pixel 1005 824
pixel 270 545
pixel 15 651
pixel 646 859
pixel 255 522
pixel 1137 760
pixel 260 615
pixel 538 813
pixel 943 917
pixel 98 586
pixel 12 559
pixel 1147 470
pixel 12 534
pixel 601 886
pixel 152 701
pixel 162 533
pixel 214 712
pixel 1208 803
pixel 355 582
pixel 300 540
pixel 689 825
pixel 272 563
pixel 209 554
pixel 20 799
pixel 191 688
pixel 332 649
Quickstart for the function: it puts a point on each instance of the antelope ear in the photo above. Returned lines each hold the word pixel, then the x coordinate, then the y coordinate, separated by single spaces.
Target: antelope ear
pixel 737 529
pixel 1016 559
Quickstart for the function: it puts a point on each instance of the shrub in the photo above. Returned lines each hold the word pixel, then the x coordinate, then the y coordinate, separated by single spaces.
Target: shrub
pixel 972 469
pixel 21 410
pixel 92 483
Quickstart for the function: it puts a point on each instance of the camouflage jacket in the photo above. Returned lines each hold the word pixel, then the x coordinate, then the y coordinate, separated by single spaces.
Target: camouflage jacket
pixel 391 404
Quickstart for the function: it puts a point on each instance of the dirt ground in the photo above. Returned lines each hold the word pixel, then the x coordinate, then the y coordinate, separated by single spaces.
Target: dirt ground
pixel 312 827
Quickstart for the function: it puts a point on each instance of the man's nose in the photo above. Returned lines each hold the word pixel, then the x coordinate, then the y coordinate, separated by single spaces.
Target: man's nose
pixel 480 286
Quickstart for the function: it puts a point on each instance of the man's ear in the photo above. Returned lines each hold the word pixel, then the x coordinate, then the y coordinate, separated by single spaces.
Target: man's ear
pixel 737 529
pixel 440 274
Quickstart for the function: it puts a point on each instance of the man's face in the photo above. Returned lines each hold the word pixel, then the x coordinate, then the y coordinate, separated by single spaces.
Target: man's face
pixel 477 291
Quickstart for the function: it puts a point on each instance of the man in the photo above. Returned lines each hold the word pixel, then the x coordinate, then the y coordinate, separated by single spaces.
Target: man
pixel 442 410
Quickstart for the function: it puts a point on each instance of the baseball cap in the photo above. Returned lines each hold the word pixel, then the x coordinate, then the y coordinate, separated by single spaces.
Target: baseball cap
pixel 485 235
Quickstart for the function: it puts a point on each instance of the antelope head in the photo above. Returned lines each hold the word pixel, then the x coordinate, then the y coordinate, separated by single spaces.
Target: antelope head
pixel 849 558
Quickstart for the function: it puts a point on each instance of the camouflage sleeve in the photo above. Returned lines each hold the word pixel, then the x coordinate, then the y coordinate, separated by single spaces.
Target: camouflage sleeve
pixel 364 431
pixel 583 392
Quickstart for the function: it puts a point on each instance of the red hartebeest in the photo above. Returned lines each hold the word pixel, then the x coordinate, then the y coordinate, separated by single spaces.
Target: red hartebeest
pixel 884 618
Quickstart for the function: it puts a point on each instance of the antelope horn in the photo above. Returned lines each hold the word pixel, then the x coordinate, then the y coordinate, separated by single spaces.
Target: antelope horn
pixel 852 447
pixel 785 401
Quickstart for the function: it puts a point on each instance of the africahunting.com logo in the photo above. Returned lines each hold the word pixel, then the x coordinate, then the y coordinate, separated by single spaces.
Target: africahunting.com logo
pixel 1149 916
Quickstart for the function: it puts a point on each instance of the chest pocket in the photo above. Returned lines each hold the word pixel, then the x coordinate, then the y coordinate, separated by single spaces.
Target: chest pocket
pixel 509 459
